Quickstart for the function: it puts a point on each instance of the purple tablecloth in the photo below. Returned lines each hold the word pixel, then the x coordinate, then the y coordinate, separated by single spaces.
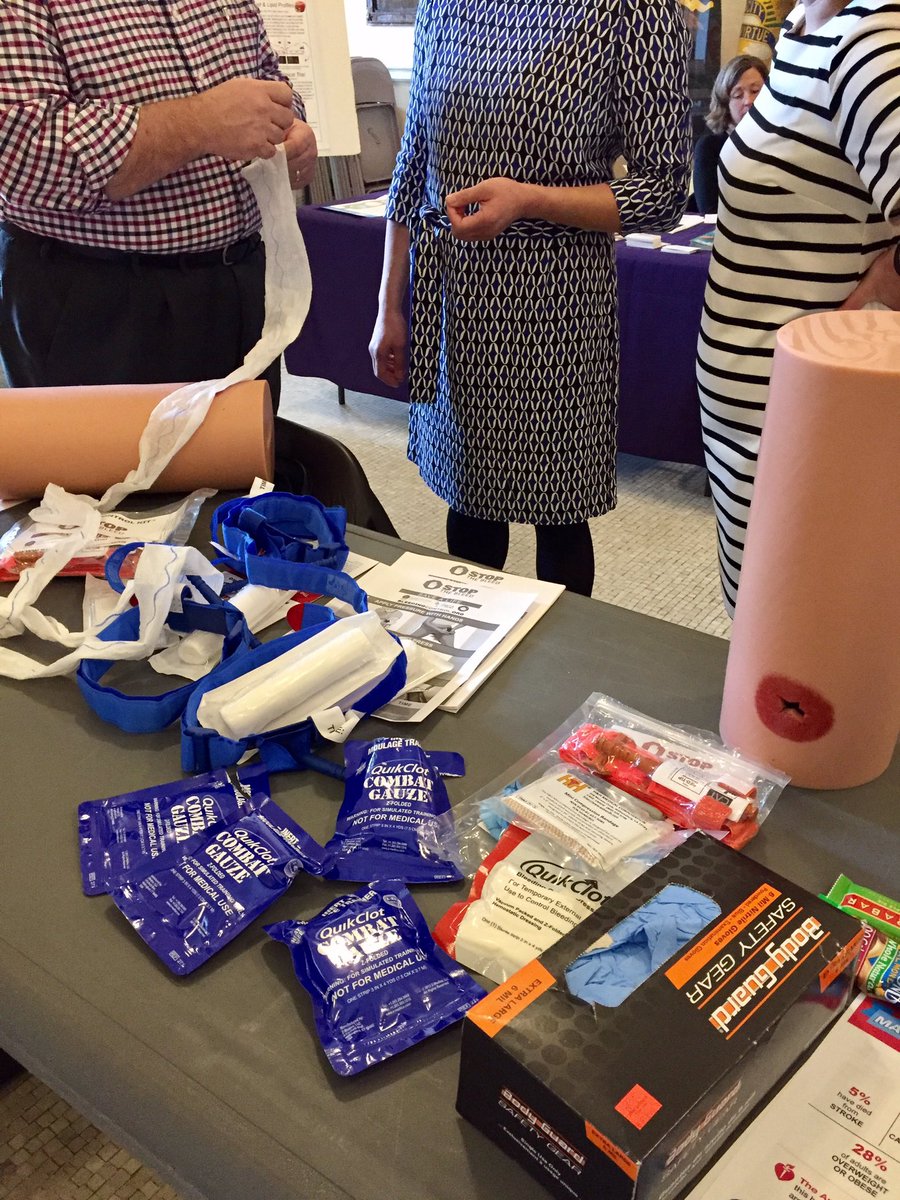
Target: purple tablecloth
pixel 660 300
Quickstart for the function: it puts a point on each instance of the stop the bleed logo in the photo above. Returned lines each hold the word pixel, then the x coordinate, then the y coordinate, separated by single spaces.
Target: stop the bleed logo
pixel 779 960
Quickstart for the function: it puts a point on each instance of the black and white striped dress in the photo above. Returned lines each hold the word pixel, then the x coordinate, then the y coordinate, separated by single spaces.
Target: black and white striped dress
pixel 810 195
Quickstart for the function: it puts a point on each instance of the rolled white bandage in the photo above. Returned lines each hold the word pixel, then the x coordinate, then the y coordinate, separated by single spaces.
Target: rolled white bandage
pixel 195 655
pixel 344 660
pixel 305 672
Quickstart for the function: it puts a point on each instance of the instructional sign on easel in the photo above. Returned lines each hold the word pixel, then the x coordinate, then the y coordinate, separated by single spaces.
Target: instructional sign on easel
pixel 313 53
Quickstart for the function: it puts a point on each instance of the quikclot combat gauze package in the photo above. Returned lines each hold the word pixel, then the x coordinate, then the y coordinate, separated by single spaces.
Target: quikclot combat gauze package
pixel 193 899
pixel 378 982
pixel 119 835
pixel 394 802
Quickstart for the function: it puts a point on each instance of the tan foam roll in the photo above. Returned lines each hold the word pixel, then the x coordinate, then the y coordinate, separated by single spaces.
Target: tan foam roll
pixel 813 678
pixel 86 438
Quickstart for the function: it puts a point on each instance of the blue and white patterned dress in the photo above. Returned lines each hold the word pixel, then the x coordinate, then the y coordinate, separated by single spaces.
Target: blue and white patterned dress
pixel 514 342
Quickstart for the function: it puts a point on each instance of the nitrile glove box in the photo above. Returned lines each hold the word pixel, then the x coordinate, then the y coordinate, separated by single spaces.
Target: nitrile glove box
pixel 631 1102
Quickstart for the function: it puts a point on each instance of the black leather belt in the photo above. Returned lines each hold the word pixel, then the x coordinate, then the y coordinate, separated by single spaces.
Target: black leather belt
pixel 224 256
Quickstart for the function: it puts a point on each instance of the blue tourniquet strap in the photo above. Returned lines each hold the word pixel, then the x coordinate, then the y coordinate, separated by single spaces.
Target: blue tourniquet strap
pixel 148 714
pixel 294 543
pixel 277 540
pixel 281 525
pixel 112 568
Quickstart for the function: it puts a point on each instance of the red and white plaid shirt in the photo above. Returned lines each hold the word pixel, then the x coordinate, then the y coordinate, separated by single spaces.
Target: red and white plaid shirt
pixel 73 75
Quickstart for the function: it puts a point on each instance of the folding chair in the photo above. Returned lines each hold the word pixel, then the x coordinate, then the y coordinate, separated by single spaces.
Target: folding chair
pixel 315 464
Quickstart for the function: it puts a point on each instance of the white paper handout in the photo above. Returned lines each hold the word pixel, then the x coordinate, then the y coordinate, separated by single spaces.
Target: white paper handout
pixel 833 1131
pixel 375 206
pixel 447 611
pixel 688 221
pixel 543 596
pixel 313 53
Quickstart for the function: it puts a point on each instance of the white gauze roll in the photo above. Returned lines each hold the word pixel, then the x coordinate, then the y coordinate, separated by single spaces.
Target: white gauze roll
pixel 317 674
pixel 195 655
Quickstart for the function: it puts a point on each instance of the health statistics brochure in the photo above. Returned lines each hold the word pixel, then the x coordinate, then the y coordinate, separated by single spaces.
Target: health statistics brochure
pixel 311 46
pixel 833 1131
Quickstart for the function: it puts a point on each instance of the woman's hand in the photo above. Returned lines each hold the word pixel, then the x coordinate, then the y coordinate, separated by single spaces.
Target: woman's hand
pixel 881 282
pixel 387 348
pixel 499 202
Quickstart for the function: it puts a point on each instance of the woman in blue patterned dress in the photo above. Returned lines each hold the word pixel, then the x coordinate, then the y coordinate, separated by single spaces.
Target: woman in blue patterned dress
pixel 504 202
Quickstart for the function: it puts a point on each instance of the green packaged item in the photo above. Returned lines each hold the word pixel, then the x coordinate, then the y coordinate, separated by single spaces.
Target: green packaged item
pixel 876 910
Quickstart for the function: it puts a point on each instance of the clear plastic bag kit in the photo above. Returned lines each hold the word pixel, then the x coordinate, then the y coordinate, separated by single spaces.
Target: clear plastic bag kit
pixel 637 764
pixel 24 543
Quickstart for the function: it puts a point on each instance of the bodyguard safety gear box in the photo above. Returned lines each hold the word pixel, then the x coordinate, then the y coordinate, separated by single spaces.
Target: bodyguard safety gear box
pixel 630 1102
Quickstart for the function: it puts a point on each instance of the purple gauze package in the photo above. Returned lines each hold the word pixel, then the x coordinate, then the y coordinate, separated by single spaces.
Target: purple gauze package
pixel 193 899
pixel 393 821
pixel 119 835
pixel 378 982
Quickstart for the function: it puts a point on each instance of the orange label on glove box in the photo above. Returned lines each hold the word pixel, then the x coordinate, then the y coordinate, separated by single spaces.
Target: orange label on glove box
pixel 704 951
pixel 500 1006
pixel 846 956
pixel 638 1106
pixel 611 1150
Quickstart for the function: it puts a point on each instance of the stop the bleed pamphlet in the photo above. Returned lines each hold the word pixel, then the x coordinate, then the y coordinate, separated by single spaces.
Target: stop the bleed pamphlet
pixel 458 612
pixel 833 1131
pixel 472 616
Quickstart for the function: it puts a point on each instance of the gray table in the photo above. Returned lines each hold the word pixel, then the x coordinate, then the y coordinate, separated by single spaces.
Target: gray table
pixel 217 1080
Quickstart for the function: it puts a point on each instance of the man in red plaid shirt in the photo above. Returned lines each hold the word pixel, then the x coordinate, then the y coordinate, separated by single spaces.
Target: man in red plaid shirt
pixel 129 243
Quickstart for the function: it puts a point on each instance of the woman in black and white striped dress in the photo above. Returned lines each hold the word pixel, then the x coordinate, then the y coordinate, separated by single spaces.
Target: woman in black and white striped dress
pixel 809 218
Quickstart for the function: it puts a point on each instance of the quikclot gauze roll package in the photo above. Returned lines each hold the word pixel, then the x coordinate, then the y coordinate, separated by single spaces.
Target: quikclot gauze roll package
pixel 122 834
pixel 378 982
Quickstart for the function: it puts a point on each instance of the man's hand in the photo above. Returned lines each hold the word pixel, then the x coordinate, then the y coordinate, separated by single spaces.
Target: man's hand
pixel 300 147
pixel 881 282
pixel 498 203
pixel 387 348
pixel 243 118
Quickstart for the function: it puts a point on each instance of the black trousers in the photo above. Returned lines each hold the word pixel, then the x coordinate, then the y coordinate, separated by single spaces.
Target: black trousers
pixel 67 319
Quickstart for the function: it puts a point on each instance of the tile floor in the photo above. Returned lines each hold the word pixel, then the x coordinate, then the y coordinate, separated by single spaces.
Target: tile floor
pixel 48 1151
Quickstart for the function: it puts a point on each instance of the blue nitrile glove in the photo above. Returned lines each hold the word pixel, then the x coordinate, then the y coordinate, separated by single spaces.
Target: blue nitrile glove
pixel 639 945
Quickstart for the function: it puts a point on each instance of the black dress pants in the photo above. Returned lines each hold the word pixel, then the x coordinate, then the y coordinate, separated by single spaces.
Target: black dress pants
pixel 67 319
